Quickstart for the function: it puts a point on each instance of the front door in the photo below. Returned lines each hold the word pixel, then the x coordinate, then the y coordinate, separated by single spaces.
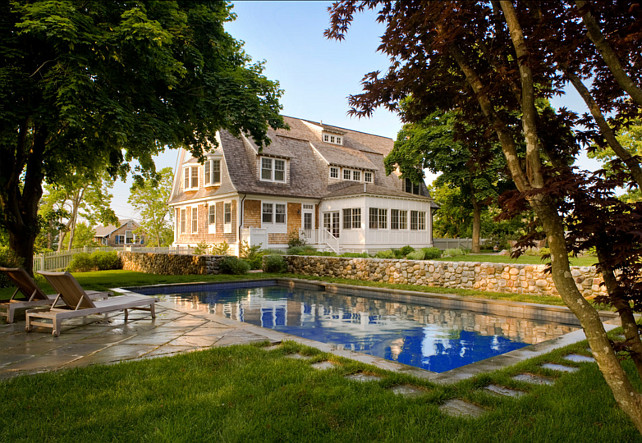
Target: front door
pixel 331 222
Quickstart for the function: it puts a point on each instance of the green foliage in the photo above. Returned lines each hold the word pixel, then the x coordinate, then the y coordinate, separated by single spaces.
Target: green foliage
pixel 431 253
pixel 405 250
pixel 201 248
pixel 301 250
pixel 294 240
pixel 274 263
pixel 8 259
pixel 453 252
pixel 355 255
pixel 96 261
pixel 252 254
pixel 233 265
pixel 220 248
pixel 150 198
pixel 416 255
pixel 82 262
pixel 106 260
pixel 387 253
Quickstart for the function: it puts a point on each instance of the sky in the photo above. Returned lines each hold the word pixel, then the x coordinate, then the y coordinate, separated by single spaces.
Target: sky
pixel 316 74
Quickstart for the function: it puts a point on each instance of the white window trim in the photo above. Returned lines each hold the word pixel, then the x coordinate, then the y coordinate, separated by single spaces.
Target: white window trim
pixel 273 169
pixel 332 139
pixel 191 220
pixel 365 173
pixel 227 226
pixel 183 221
pixel 211 227
pixel 190 179
pixel 209 178
pixel 273 207
pixel 338 170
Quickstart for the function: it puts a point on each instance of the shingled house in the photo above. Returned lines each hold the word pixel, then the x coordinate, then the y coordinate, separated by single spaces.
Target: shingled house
pixel 119 235
pixel 323 183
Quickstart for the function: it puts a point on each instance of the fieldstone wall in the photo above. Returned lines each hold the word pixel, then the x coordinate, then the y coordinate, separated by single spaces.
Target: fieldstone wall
pixel 170 264
pixel 497 277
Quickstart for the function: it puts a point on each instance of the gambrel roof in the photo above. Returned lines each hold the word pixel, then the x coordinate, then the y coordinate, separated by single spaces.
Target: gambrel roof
pixel 309 160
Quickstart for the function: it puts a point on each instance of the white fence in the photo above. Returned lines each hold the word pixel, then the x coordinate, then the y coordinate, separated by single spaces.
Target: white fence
pixel 453 243
pixel 51 261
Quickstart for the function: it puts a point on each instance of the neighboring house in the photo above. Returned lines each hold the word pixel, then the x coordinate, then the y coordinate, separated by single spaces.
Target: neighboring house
pixel 323 183
pixel 120 235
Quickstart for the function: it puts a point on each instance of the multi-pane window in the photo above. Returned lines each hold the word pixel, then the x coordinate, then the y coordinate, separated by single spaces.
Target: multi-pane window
pixel 212 172
pixel 417 220
pixel 334 172
pixel 272 169
pixel 347 173
pixel 356 176
pixel 190 177
pixel 273 213
pixel 411 187
pixel 183 220
pixel 398 219
pixel 367 177
pixel 378 218
pixel 211 216
pixel 352 218
pixel 336 139
pixel 195 219
pixel 279 216
pixel 227 213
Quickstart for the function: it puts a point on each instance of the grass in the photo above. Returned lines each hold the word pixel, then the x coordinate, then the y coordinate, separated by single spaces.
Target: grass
pixel 246 393
pixel 523 259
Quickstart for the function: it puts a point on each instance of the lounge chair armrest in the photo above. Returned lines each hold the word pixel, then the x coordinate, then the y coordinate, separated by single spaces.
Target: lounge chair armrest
pixel 14 294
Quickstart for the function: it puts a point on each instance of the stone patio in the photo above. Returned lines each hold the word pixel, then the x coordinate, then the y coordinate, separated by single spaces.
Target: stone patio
pixel 109 339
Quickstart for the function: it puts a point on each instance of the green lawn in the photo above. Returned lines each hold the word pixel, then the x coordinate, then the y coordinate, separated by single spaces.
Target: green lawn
pixel 246 393
pixel 523 259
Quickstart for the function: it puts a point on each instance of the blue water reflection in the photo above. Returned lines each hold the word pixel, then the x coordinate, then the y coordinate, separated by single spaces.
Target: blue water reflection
pixel 426 337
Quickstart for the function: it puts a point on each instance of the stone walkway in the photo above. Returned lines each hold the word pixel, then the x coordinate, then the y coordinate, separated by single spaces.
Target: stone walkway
pixel 109 339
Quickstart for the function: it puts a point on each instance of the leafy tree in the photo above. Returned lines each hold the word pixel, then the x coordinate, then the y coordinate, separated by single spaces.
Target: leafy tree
pixel 492 62
pixel 465 157
pixel 150 198
pixel 91 86
pixel 84 236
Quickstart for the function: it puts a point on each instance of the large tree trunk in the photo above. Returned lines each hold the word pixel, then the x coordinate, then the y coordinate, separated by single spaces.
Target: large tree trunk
pixel 475 248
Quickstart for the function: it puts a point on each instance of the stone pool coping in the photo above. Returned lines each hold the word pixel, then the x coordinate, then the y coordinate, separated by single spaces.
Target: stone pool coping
pixel 534 311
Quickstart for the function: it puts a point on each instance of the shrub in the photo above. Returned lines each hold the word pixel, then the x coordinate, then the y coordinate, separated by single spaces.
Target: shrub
pixel 220 248
pixel 201 249
pixel 274 263
pixel 431 253
pixel 454 252
pixel 416 255
pixel 252 254
pixel 406 250
pixel 104 260
pixel 82 262
pixel 295 240
pixel 302 250
pixel 388 253
pixel 355 255
pixel 9 259
pixel 233 265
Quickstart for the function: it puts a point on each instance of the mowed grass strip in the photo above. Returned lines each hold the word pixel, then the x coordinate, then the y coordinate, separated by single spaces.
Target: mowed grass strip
pixel 245 393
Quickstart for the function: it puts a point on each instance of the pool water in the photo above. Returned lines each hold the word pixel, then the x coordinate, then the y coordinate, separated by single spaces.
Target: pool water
pixel 434 339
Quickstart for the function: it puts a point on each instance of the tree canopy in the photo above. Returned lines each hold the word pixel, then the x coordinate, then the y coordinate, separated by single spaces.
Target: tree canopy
pixel 494 62
pixel 150 199
pixel 94 85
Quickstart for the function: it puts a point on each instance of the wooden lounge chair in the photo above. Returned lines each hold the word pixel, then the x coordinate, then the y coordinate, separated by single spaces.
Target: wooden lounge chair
pixel 35 297
pixel 78 304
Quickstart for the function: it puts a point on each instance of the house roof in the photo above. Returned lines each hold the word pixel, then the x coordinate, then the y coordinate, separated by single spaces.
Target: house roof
pixel 308 157
pixel 106 231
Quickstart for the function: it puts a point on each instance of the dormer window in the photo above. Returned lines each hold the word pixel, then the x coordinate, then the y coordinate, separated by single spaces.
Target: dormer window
pixel 332 138
pixel 190 178
pixel 367 177
pixel 411 187
pixel 272 169
pixel 212 172
pixel 334 172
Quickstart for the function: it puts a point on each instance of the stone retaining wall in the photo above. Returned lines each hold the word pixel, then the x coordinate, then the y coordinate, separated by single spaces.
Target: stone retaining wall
pixel 170 264
pixel 497 277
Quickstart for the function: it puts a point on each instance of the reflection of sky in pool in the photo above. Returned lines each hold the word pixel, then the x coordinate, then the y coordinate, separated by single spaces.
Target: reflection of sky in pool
pixel 430 338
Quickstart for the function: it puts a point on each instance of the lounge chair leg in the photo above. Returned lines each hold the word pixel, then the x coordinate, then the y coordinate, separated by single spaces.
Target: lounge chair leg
pixel 56 323
pixel 10 313
pixel 152 309
pixel 126 314
pixel 28 327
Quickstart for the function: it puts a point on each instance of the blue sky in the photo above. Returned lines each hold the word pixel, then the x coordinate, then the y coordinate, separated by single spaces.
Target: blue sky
pixel 316 74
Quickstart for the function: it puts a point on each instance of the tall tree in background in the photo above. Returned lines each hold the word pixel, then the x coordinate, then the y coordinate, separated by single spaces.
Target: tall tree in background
pixel 150 198
pixel 466 159
pixel 492 61
pixel 88 86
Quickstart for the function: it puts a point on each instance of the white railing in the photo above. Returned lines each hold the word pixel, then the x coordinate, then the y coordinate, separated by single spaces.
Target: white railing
pixel 255 236
pixel 330 240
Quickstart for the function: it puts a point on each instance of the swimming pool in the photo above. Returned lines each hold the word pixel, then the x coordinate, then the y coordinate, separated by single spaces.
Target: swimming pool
pixel 416 334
